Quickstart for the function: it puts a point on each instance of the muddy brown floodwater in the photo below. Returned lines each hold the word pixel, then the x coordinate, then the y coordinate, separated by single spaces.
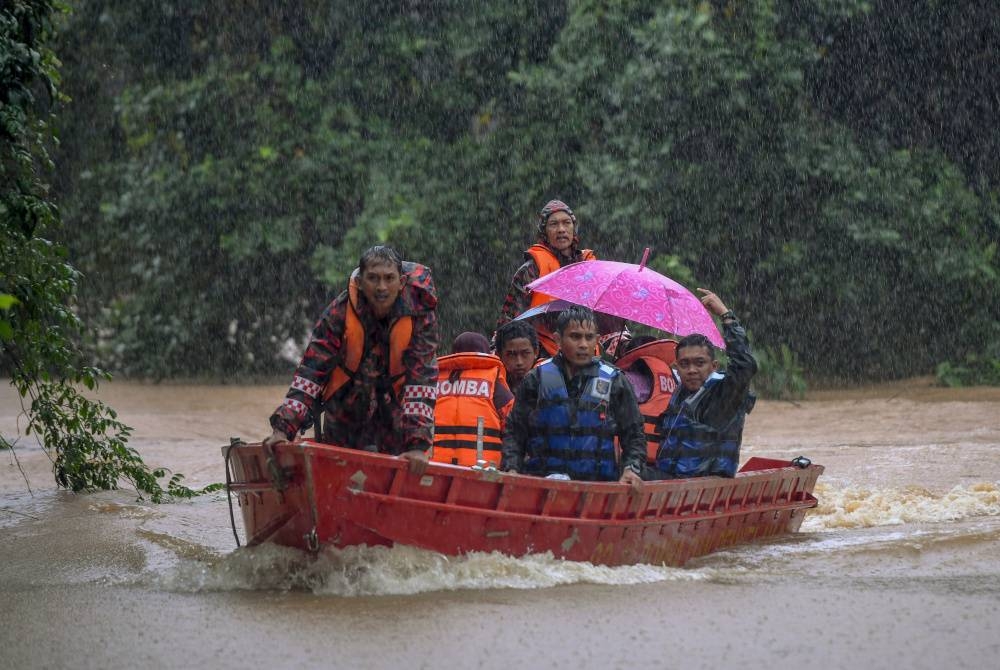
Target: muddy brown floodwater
pixel 896 568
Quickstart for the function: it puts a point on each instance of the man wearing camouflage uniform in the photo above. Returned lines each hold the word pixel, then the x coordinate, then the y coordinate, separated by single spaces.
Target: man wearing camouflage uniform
pixel 372 359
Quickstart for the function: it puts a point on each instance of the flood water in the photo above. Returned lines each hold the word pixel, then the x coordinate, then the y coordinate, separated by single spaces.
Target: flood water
pixel 897 568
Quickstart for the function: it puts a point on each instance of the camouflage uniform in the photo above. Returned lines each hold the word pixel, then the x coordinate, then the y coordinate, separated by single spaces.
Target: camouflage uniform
pixel 519 296
pixel 366 411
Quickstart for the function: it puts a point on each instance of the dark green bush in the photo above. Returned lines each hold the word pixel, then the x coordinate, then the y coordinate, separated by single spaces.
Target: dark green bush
pixel 973 371
pixel 779 374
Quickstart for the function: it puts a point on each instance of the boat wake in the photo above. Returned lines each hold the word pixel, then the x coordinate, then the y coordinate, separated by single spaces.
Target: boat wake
pixel 890 534
pixel 365 571
pixel 184 554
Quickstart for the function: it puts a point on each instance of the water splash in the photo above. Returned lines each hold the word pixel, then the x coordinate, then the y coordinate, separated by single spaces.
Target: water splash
pixel 362 571
pixel 852 507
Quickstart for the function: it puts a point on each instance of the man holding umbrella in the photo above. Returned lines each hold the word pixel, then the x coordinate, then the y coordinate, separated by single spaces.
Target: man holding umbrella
pixel 703 423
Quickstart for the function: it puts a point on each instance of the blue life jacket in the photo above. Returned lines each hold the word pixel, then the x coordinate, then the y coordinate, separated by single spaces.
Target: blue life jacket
pixel 573 436
pixel 694 449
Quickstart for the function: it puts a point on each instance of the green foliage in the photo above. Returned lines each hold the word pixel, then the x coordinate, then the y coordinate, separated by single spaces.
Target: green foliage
pixel 227 183
pixel 38 321
pixel 919 74
pixel 228 188
pixel 779 374
pixel 974 371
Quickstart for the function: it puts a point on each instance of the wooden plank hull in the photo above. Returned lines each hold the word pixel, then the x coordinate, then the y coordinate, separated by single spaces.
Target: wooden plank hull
pixel 341 497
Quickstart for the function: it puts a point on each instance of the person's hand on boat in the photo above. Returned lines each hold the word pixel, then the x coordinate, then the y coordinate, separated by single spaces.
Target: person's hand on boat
pixel 632 478
pixel 274 438
pixel 417 459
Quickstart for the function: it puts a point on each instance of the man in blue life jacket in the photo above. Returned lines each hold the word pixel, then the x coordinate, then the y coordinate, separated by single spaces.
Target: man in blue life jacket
pixel 568 410
pixel 703 423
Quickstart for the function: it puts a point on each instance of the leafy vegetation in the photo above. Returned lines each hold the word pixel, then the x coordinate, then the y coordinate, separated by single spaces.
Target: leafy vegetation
pixel 973 371
pixel 38 320
pixel 226 163
pixel 779 374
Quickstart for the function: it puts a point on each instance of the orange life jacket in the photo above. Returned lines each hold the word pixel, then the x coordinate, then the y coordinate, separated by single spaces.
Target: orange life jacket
pixel 400 334
pixel 658 357
pixel 465 388
pixel 548 263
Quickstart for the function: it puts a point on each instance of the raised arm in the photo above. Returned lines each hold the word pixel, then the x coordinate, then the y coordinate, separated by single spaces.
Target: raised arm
pixel 740 370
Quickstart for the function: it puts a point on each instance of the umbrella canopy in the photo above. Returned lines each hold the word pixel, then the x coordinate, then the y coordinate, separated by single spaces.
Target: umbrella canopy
pixel 632 292
pixel 606 323
pixel 544 308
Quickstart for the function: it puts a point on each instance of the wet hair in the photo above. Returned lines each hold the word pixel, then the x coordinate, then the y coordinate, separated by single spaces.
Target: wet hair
pixel 696 340
pixel 582 315
pixel 380 254
pixel 513 330
pixel 469 342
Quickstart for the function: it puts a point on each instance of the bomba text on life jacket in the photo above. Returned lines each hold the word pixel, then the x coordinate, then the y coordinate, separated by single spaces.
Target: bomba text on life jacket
pixel 465 387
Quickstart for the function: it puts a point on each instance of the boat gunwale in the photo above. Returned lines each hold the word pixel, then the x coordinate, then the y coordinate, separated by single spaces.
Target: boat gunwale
pixel 634 522
pixel 465 472
pixel 310 449
pixel 627 509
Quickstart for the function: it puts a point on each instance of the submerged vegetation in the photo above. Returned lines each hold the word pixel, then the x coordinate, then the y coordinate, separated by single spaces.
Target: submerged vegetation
pixel 39 325
pixel 779 374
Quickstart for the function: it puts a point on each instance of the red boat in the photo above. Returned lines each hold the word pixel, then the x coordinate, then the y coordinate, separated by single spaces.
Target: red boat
pixel 311 495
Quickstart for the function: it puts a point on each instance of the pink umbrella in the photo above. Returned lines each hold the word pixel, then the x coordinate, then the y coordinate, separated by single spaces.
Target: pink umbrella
pixel 632 292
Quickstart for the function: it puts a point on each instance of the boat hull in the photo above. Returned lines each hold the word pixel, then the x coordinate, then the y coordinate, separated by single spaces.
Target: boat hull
pixel 319 495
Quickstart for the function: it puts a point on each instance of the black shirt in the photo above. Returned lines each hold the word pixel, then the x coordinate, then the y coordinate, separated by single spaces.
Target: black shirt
pixel 717 408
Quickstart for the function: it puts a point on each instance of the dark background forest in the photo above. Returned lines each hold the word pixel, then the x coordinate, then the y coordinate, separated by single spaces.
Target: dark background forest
pixel 829 167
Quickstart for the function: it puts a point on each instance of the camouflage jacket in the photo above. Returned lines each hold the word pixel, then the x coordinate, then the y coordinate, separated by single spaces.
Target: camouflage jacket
pixel 519 295
pixel 367 410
